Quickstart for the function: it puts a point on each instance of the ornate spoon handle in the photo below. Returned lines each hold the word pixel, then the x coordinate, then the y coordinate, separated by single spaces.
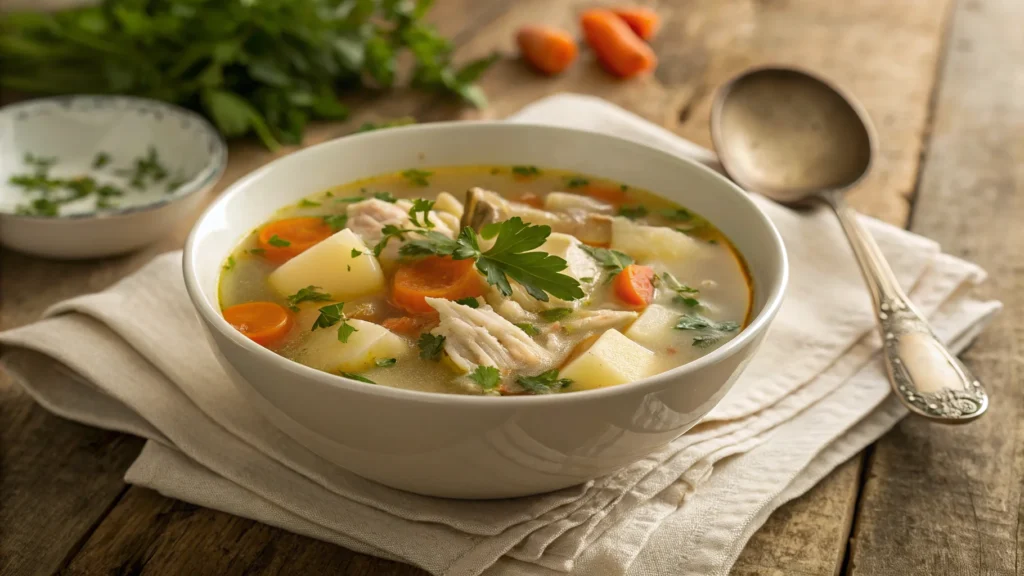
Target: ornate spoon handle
pixel 928 379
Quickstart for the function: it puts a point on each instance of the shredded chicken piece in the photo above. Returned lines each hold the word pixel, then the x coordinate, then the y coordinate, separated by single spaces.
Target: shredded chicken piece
pixel 445 202
pixel 484 207
pixel 575 204
pixel 598 320
pixel 480 337
pixel 368 217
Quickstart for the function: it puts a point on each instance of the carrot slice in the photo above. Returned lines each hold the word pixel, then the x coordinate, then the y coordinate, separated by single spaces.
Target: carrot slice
pixel 635 285
pixel 410 325
pixel 263 322
pixel 617 47
pixel 643 21
pixel 549 50
pixel 531 199
pixel 613 195
pixel 283 240
pixel 434 277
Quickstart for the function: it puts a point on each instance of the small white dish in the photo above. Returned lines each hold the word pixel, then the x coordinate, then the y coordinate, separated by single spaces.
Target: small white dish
pixel 75 131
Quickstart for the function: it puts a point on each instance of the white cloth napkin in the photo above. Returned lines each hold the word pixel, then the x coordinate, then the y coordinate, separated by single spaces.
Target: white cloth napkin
pixel 131 359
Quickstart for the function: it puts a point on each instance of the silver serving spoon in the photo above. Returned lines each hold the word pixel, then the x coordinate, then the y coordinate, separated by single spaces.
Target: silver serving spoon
pixel 795 138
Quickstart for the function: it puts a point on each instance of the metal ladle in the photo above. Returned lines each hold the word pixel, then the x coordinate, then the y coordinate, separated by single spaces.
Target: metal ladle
pixel 796 139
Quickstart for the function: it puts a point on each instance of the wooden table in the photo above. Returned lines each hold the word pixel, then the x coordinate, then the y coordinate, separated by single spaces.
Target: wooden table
pixel 942 82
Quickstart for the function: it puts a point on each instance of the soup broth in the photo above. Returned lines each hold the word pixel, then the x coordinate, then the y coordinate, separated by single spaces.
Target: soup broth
pixel 487 280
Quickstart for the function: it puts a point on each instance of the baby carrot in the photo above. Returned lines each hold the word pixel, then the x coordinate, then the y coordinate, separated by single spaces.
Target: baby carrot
pixel 643 21
pixel 263 322
pixel 549 50
pixel 617 47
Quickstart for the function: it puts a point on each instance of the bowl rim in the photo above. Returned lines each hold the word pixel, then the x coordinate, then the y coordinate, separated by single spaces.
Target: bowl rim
pixel 215 321
pixel 209 175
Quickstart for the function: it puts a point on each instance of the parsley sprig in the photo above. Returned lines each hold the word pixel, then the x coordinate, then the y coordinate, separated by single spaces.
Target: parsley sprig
pixel 431 346
pixel 421 206
pixel 686 295
pixel 612 261
pixel 488 377
pixel 331 315
pixel 307 294
pixel 711 332
pixel 544 383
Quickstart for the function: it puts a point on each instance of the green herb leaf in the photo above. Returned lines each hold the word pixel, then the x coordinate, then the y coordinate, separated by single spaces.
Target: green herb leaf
pixel 386 362
pixel 357 377
pixel 428 243
pixel 471 302
pixel 530 329
pixel 279 242
pixel 544 383
pixel 576 181
pixel 385 196
pixel 539 273
pixel 356 253
pixel 257 251
pixel 229 264
pixel 417 177
pixel 344 331
pixel 526 171
pixel 307 203
pixel 351 199
pixel 100 160
pixel 387 233
pixel 633 212
pixel 336 221
pixel 685 295
pixel 488 377
pixel 332 314
pixel 587 279
pixel 431 346
pixel 555 314
pixel 421 206
pixel 678 214
pixel 712 332
pixel 308 294
pixel 611 261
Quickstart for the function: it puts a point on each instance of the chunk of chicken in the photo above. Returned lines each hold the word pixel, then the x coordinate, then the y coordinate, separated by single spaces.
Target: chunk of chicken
pixel 598 320
pixel 480 337
pixel 445 202
pixel 575 203
pixel 368 217
pixel 484 207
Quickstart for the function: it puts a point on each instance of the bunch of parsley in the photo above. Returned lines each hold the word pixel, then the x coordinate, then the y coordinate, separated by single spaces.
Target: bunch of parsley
pixel 252 66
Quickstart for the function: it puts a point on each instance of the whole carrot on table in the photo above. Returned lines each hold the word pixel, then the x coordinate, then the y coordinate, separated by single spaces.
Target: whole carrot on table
pixel 643 21
pixel 549 50
pixel 617 47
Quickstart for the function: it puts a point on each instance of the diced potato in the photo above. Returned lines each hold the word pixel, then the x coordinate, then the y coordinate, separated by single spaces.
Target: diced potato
pixel 613 359
pixel 646 243
pixel 445 202
pixel 654 326
pixel 369 343
pixel 330 266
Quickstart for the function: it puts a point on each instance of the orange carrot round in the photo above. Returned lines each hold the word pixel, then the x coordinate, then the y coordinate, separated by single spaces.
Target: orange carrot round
pixel 635 285
pixel 263 322
pixel 531 199
pixel 617 47
pixel 549 50
pixel 643 21
pixel 282 240
pixel 434 277
pixel 410 325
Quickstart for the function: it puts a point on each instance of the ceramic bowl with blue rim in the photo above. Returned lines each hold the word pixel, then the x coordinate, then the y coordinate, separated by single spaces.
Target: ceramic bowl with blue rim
pixel 94 176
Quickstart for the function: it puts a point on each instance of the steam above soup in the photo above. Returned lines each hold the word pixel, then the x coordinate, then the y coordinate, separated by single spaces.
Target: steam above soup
pixel 528 281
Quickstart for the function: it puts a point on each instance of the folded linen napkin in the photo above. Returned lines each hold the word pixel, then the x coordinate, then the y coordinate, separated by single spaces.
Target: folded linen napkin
pixel 813 396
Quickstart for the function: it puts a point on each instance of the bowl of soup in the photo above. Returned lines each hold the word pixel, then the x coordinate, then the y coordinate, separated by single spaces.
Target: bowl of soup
pixel 484 310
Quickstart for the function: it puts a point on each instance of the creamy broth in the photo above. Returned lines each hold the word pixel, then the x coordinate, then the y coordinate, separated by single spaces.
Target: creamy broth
pixel 701 293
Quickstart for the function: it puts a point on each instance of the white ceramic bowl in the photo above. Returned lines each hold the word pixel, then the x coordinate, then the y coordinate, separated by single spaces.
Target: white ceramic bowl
pixel 74 129
pixel 471 446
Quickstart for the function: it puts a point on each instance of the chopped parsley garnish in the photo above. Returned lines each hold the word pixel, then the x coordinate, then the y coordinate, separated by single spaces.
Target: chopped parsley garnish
pixel 229 264
pixel 471 302
pixel 279 242
pixel 42 164
pixel 145 168
pixel 385 197
pixel 387 233
pixel 358 377
pixel 678 214
pixel 421 206
pixel 711 332
pixel 257 251
pixel 488 377
pixel 100 160
pixel 356 253
pixel 526 171
pixel 530 329
pixel 336 221
pixel 307 294
pixel 431 346
pixel 307 203
pixel 555 314
pixel 351 199
pixel 544 383
pixel 386 362
pixel 612 261
pixel 576 181
pixel 331 315
pixel 40 207
pixel 371 126
pixel 686 295
pixel 417 177
pixel 633 212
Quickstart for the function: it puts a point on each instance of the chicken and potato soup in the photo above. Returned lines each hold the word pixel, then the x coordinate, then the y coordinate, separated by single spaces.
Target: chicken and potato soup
pixel 487 280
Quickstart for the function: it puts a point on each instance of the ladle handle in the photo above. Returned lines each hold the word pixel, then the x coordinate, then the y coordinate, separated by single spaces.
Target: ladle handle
pixel 929 380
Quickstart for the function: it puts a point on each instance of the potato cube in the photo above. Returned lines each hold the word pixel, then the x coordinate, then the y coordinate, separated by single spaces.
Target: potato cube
pixel 655 325
pixel 652 243
pixel 613 359
pixel 330 266
pixel 370 342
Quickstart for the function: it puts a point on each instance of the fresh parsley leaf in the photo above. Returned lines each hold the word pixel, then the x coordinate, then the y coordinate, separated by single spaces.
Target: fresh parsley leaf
pixel 711 332
pixel 357 377
pixel 488 377
pixel 387 233
pixel 471 302
pixel 530 329
pixel 336 221
pixel 307 294
pixel 633 212
pixel 544 383
pixel 678 214
pixel 344 331
pixel 490 230
pixel 332 314
pixel 229 264
pixel 576 181
pixel 257 251
pixel 623 187
pixel 611 261
pixel 39 207
pixel 385 197
pixel 555 314
pixel 279 242
pixel 526 171
pixel 307 203
pixel 356 253
pixel 417 177
pixel 386 362
pixel 689 301
pixel 429 242
pixel 100 160
pixel 421 206
pixel 350 199
pixel 431 346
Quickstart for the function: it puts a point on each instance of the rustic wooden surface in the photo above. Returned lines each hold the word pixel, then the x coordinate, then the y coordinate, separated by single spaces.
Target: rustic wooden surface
pixel 936 500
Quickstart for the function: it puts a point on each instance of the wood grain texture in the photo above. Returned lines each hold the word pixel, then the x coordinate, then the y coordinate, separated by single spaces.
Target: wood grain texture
pixel 947 500
pixel 703 44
